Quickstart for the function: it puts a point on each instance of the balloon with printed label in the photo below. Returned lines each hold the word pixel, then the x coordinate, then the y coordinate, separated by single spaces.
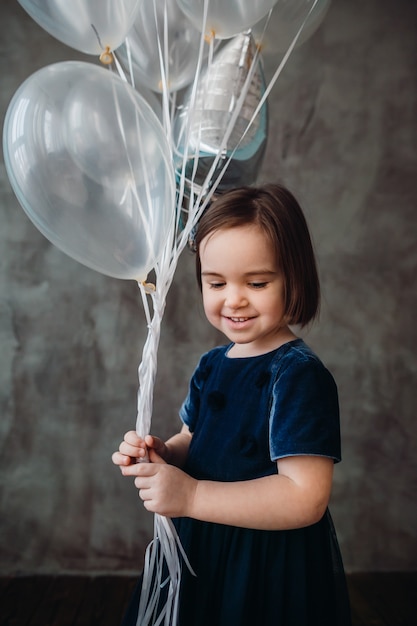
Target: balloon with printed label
pixel 209 129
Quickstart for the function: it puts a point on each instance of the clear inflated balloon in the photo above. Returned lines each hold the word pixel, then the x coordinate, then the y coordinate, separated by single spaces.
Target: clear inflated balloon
pixel 180 55
pixel 225 18
pixel 201 126
pixel 90 26
pixel 286 19
pixel 90 164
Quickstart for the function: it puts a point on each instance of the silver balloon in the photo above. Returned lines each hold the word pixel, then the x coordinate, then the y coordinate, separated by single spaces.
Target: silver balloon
pixel 200 127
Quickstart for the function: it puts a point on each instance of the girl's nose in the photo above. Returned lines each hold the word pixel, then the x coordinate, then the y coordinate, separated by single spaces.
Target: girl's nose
pixel 235 297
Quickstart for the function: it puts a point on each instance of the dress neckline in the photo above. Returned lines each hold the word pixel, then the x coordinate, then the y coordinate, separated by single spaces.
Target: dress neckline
pixel 284 345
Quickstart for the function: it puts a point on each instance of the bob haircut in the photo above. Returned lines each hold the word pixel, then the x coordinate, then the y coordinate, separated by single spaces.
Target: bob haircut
pixel 274 210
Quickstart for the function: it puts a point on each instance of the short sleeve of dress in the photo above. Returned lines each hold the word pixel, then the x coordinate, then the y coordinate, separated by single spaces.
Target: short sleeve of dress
pixel 304 418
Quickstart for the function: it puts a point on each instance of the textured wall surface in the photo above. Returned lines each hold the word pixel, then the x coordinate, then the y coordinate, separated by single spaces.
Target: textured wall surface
pixel 343 136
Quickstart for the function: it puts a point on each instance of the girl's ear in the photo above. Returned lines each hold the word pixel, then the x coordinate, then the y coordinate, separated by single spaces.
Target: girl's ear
pixel 285 321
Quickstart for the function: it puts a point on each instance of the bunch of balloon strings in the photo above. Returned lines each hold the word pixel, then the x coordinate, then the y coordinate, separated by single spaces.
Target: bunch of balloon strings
pixel 163 559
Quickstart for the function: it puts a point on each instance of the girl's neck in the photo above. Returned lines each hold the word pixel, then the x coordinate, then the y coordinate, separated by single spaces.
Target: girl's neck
pixel 242 350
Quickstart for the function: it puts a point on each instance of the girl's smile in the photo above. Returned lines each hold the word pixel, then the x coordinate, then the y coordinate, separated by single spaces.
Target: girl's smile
pixel 238 323
pixel 243 289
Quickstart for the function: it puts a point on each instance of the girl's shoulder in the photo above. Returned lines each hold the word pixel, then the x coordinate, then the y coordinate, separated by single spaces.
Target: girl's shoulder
pixel 297 359
pixel 218 351
pixel 297 350
pixel 212 355
pixel 206 362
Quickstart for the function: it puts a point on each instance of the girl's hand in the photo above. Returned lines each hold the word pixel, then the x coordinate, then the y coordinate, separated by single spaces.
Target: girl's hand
pixel 133 449
pixel 164 489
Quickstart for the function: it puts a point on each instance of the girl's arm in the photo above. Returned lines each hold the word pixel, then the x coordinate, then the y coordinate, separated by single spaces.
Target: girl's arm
pixel 178 447
pixel 295 497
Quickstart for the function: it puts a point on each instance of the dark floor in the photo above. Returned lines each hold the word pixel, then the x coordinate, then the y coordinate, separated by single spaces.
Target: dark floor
pixel 377 600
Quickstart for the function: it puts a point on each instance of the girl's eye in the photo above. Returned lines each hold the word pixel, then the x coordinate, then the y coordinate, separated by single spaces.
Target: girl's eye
pixel 217 285
pixel 258 285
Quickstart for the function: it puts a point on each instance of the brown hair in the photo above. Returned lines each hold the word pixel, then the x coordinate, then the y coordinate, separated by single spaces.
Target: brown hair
pixel 276 211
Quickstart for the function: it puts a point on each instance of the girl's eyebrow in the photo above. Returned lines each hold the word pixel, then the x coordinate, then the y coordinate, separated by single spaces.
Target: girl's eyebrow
pixel 208 273
pixel 260 272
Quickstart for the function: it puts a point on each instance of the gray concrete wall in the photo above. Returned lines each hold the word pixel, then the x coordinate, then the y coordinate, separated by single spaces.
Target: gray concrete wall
pixel 343 137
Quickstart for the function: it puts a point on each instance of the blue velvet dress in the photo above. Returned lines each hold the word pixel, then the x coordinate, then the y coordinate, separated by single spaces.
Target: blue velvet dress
pixel 245 413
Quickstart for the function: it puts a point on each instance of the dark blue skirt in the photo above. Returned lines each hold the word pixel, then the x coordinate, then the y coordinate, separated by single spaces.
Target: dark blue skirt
pixel 248 577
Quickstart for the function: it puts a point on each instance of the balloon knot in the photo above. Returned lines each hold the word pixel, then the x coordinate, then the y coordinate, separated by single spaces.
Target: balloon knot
pixel 148 287
pixel 106 57
pixel 210 36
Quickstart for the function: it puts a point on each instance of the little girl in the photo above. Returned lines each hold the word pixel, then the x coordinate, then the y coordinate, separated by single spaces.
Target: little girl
pixel 248 478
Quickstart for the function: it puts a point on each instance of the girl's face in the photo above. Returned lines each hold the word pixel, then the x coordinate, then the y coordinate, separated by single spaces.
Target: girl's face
pixel 243 289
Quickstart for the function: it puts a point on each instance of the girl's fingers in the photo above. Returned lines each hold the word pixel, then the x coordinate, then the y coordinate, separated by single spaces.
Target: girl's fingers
pixel 133 438
pixel 133 448
pixel 153 442
pixel 140 470
pixel 133 451
pixel 157 449
pixel 120 459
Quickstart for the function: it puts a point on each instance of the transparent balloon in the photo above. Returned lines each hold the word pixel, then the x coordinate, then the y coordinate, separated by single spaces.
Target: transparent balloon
pixel 90 26
pixel 286 19
pixel 225 19
pixel 90 164
pixel 180 49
